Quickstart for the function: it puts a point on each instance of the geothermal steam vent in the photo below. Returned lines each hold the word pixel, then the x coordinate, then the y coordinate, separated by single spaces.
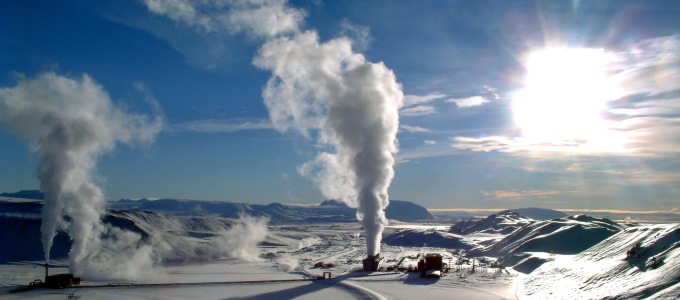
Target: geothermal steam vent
pixel 372 263
pixel 352 105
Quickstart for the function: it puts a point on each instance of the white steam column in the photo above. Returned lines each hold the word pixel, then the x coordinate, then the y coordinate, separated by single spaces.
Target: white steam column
pixel 349 105
pixel 353 105
pixel 69 123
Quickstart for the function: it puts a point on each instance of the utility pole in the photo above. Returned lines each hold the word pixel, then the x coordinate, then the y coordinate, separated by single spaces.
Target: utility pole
pixel 473 265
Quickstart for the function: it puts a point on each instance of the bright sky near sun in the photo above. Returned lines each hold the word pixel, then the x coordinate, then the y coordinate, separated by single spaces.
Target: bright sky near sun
pixel 556 104
pixel 565 95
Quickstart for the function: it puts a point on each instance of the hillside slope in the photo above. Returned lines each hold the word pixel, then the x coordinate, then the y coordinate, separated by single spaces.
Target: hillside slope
pixel 639 262
pixel 569 235
pixel 540 213
pixel 426 238
pixel 503 222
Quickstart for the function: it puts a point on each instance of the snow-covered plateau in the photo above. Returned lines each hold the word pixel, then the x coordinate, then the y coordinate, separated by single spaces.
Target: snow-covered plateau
pixel 503 256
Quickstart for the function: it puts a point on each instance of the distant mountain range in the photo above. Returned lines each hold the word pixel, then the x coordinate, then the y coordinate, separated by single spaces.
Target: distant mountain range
pixel 28 194
pixel 327 211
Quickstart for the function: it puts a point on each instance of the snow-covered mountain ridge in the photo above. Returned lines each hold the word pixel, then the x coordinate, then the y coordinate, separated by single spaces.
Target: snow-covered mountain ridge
pixel 503 222
pixel 329 210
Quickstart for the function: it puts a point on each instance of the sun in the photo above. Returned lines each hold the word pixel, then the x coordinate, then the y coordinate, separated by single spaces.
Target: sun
pixel 565 94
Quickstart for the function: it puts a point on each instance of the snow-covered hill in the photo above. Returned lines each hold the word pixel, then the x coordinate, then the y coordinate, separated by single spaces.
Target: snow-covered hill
pixel 426 238
pixel 638 262
pixel 503 222
pixel 569 235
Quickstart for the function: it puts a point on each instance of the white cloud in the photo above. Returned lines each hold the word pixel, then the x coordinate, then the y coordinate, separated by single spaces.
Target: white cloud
pixel 410 128
pixel 360 35
pixel 413 104
pixel 258 19
pixel 263 18
pixel 515 195
pixel 492 90
pixel 410 100
pixel 221 126
pixel 468 102
pixel 651 66
pixel 180 11
pixel 531 147
pixel 429 148
pixel 418 110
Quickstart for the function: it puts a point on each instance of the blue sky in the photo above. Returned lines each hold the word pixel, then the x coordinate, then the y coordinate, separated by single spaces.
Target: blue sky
pixel 557 104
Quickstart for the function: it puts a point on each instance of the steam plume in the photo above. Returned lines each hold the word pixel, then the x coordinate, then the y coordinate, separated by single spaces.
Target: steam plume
pixel 288 263
pixel 350 104
pixel 242 240
pixel 69 123
pixel 353 104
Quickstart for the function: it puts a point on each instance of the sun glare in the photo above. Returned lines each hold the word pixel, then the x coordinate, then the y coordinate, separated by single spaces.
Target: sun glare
pixel 565 94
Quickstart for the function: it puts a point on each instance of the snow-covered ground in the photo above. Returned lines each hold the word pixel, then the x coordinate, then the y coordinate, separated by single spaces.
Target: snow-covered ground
pixel 216 271
pixel 627 263
pixel 341 247
pixel 353 285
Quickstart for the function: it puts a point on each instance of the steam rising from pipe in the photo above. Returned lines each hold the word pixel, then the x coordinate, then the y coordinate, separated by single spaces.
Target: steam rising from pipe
pixel 354 106
pixel 351 104
pixel 69 123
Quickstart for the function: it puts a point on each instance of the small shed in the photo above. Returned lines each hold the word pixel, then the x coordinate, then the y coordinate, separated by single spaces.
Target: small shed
pixel 431 262
pixel 61 281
